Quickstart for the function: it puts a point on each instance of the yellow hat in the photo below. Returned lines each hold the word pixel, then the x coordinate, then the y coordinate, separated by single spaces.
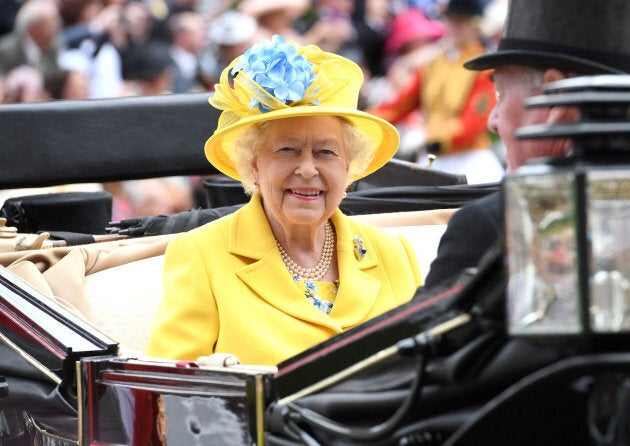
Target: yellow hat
pixel 275 80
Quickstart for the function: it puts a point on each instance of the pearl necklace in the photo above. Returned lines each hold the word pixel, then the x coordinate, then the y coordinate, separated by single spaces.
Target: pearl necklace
pixel 322 266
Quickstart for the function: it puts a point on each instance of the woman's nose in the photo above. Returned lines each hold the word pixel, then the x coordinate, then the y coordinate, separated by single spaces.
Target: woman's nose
pixel 306 165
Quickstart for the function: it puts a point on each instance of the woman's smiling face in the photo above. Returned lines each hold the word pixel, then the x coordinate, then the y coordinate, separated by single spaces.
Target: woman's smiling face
pixel 301 169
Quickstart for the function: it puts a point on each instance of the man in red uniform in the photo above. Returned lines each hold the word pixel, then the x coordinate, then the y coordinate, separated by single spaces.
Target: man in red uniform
pixel 455 102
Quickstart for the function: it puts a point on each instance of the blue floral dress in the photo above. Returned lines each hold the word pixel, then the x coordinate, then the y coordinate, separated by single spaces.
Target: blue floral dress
pixel 321 294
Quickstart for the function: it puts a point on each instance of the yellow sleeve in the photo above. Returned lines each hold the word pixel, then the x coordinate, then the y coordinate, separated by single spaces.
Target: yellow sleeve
pixel 186 325
pixel 413 260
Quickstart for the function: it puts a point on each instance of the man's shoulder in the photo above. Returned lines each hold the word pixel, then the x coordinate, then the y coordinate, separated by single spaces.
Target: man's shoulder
pixel 491 206
pixel 470 232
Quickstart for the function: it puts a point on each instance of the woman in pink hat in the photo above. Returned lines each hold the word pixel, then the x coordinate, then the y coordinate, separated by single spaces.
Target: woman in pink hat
pixel 412 41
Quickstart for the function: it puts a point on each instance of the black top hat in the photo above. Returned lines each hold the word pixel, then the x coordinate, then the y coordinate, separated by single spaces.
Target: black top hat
pixel 465 8
pixel 584 36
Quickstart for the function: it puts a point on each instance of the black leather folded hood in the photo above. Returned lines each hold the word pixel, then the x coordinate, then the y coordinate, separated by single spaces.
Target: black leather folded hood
pixel 99 140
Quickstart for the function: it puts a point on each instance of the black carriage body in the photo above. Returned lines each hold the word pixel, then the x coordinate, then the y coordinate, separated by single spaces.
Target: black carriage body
pixel 133 402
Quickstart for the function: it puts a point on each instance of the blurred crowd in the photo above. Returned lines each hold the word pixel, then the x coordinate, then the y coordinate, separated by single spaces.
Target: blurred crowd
pixel 89 49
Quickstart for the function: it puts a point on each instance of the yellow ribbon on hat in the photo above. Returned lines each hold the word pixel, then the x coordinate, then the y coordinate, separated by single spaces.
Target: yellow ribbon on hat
pixel 235 98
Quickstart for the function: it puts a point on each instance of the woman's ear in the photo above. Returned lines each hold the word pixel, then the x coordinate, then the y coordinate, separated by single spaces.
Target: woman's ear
pixel 254 171
pixel 559 113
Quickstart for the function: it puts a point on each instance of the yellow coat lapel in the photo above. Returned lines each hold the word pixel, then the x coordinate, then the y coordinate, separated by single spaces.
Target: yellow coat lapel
pixel 265 273
pixel 358 289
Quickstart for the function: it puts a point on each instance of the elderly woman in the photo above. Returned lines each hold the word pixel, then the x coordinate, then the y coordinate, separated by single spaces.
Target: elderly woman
pixel 288 270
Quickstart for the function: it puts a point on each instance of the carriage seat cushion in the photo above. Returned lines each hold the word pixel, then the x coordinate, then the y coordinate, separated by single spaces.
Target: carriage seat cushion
pixel 122 301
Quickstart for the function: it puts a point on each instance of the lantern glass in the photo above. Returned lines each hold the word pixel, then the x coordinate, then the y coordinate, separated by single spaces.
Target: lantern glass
pixel 609 232
pixel 543 289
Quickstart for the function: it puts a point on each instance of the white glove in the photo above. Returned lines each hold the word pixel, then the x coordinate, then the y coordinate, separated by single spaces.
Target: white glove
pixel 218 360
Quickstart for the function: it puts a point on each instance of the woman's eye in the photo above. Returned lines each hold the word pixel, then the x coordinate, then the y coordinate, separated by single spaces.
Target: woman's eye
pixel 328 152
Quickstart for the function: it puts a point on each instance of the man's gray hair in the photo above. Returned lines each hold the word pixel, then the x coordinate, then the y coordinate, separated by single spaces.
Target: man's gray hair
pixel 33 11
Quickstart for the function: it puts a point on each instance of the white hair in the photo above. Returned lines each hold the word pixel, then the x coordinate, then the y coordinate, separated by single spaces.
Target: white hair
pixel 33 11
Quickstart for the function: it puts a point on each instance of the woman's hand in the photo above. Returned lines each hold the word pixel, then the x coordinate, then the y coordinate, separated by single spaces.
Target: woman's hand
pixel 218 360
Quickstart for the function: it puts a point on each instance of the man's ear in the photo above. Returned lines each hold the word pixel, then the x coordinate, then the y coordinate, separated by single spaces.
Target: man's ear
pixel 553 75
pixel 557 113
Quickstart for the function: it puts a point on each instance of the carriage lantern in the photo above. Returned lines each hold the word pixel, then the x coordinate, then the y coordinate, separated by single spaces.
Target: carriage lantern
pixel 568 219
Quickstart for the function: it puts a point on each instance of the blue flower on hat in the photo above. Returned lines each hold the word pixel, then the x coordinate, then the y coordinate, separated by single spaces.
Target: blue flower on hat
pixel 278 69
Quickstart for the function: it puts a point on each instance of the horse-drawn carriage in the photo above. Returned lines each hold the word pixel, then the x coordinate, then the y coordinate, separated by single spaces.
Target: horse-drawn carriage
pixel 446 368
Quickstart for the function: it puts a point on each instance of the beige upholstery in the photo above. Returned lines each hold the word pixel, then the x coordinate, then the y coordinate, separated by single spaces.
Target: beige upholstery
pixel 412 218
pixel 121 301
pixel 115 286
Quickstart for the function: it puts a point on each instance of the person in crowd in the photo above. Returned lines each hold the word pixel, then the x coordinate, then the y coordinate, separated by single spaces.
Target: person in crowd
pixel 287 270
pixel 89 19
pixel 94 31
pixel 163 10
pixel 411 42
pixel 454 102
pixel 372 19
pixel 138 23
pixel 151 196
pixel 23 84
pixel 329 24
pixel 34 40
pixel 531 53
pixel 67 84
pixel 276 17
pixel 189 39
pixel 492 22
pixel 149 69
pixel 231 34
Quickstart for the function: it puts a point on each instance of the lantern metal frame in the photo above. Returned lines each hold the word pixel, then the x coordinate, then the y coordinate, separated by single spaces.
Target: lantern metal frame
pixel 600 148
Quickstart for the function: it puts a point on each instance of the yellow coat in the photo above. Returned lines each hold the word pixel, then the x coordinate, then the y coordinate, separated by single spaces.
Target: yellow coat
pixel 226 289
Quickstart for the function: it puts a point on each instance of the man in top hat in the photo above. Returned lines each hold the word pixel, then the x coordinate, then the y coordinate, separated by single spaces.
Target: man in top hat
pixel 454 102
pixel 543 41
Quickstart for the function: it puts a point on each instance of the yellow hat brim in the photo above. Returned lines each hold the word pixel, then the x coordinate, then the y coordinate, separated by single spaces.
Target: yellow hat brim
pixel 384 136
